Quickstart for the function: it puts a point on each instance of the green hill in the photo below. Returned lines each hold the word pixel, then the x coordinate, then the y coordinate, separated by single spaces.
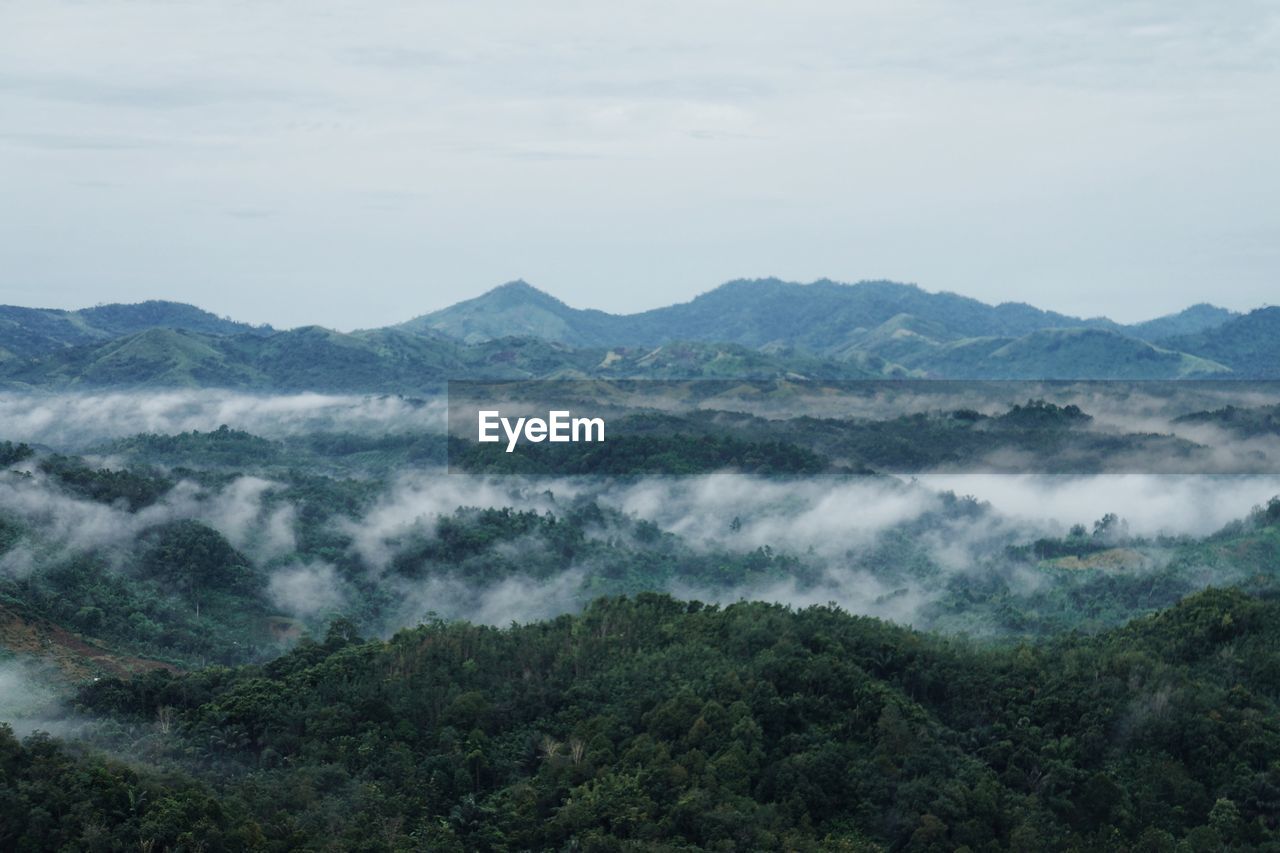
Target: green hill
pixel 1201 317
pixel 1062 354
pixel 383 360
pixel 654 724
pixel 761 328
pixel 1249 345
pixel 27 332
pixel 517 309
pixel 821 317
pixel 886 328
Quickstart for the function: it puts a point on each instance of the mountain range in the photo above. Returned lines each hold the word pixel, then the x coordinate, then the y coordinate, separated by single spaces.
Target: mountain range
pixel 28 332
pixel 760 328
pixel 824 317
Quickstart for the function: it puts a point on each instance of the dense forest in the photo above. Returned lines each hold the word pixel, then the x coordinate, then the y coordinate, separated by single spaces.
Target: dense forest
pixel 390 559
pixel 721 631
pixel 650 723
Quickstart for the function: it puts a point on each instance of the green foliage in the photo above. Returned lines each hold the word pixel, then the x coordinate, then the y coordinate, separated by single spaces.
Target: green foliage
pixel 672 725
pixel 12 454
pixel 1241 420
pixel 1037 414
pixel 189 556
pixel 626 455
pixel 1249 344
pixel 136 488
pixel 31 332
pixel 221 448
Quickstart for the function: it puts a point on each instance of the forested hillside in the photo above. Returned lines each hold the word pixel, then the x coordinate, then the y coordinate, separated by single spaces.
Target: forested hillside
pixel 651 723
pixel 30 332
pixel 257 594
pixel 758 328
pixel 387 361
pixel 932 334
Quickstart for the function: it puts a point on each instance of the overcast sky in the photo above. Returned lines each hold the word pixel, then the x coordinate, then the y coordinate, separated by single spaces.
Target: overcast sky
pixel 356 164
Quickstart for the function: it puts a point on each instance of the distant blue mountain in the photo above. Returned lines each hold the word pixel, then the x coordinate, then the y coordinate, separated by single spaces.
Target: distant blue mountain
pixel 927 334
pixel 760 328
pixel 26 332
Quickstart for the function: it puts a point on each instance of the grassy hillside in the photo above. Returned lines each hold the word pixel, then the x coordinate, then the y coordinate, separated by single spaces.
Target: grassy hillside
pixel 822 317
pixel 28 332
pixel 385 360
pixel 743 328
pixel 1249 345
pixel 1201 317
pixel 1062 354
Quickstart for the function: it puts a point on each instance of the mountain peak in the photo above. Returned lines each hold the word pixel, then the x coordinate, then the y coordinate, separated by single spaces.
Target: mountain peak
pixel 517 284
pixel 1192 320
pixel 519 292
pixel 514 309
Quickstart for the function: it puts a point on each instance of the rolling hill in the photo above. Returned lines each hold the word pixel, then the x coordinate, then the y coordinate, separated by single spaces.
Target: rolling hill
pixel 1249 344
pixel 749 328
pixel 1189 321
pixel 896 329
pixel 821 317
pixel 386 361
pixel 28 332
pixel 1064 354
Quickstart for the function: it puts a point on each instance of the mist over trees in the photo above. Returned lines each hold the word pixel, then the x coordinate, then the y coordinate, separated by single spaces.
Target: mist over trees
pixel 316 622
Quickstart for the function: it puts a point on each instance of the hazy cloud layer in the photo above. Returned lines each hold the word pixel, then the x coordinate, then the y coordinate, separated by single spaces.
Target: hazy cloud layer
pixel 514 599
pixel 833 523
pixel 66 524
pixel 77 420
pixel 30 699
pixel 311 589
pixel 1152 504
pixel 328 162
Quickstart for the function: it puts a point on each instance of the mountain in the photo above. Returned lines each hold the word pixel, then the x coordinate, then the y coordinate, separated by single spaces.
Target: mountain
pixel 388 361
pixel 898 329
pixel 27 332
pixel 749 328
pixel 1189 321
pixel 168 357
pixel 1249 345
pixel 1063 354
pixel 823 317
pixel 517 309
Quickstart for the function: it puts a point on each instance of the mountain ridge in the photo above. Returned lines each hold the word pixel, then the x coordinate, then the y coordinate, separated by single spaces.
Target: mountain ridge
pixel 831 309
pixel 822 316
pixel 27 332
pixel 758 328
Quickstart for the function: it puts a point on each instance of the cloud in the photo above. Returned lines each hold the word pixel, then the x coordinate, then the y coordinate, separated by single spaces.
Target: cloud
pixel 1152 504
pixel 514 599
pixel 306 590
pixel 415 501
pixel 1002 143
pixel 60 524
pixel 883 546
pixel 31 698
pixel 827 515
pixel 81 420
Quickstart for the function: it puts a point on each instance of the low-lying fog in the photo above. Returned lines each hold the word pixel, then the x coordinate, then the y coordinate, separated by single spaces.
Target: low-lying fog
pixel 75 421
pixel 828 521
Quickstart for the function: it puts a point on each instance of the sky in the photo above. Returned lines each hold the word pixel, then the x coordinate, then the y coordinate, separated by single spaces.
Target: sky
pixel 356 164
